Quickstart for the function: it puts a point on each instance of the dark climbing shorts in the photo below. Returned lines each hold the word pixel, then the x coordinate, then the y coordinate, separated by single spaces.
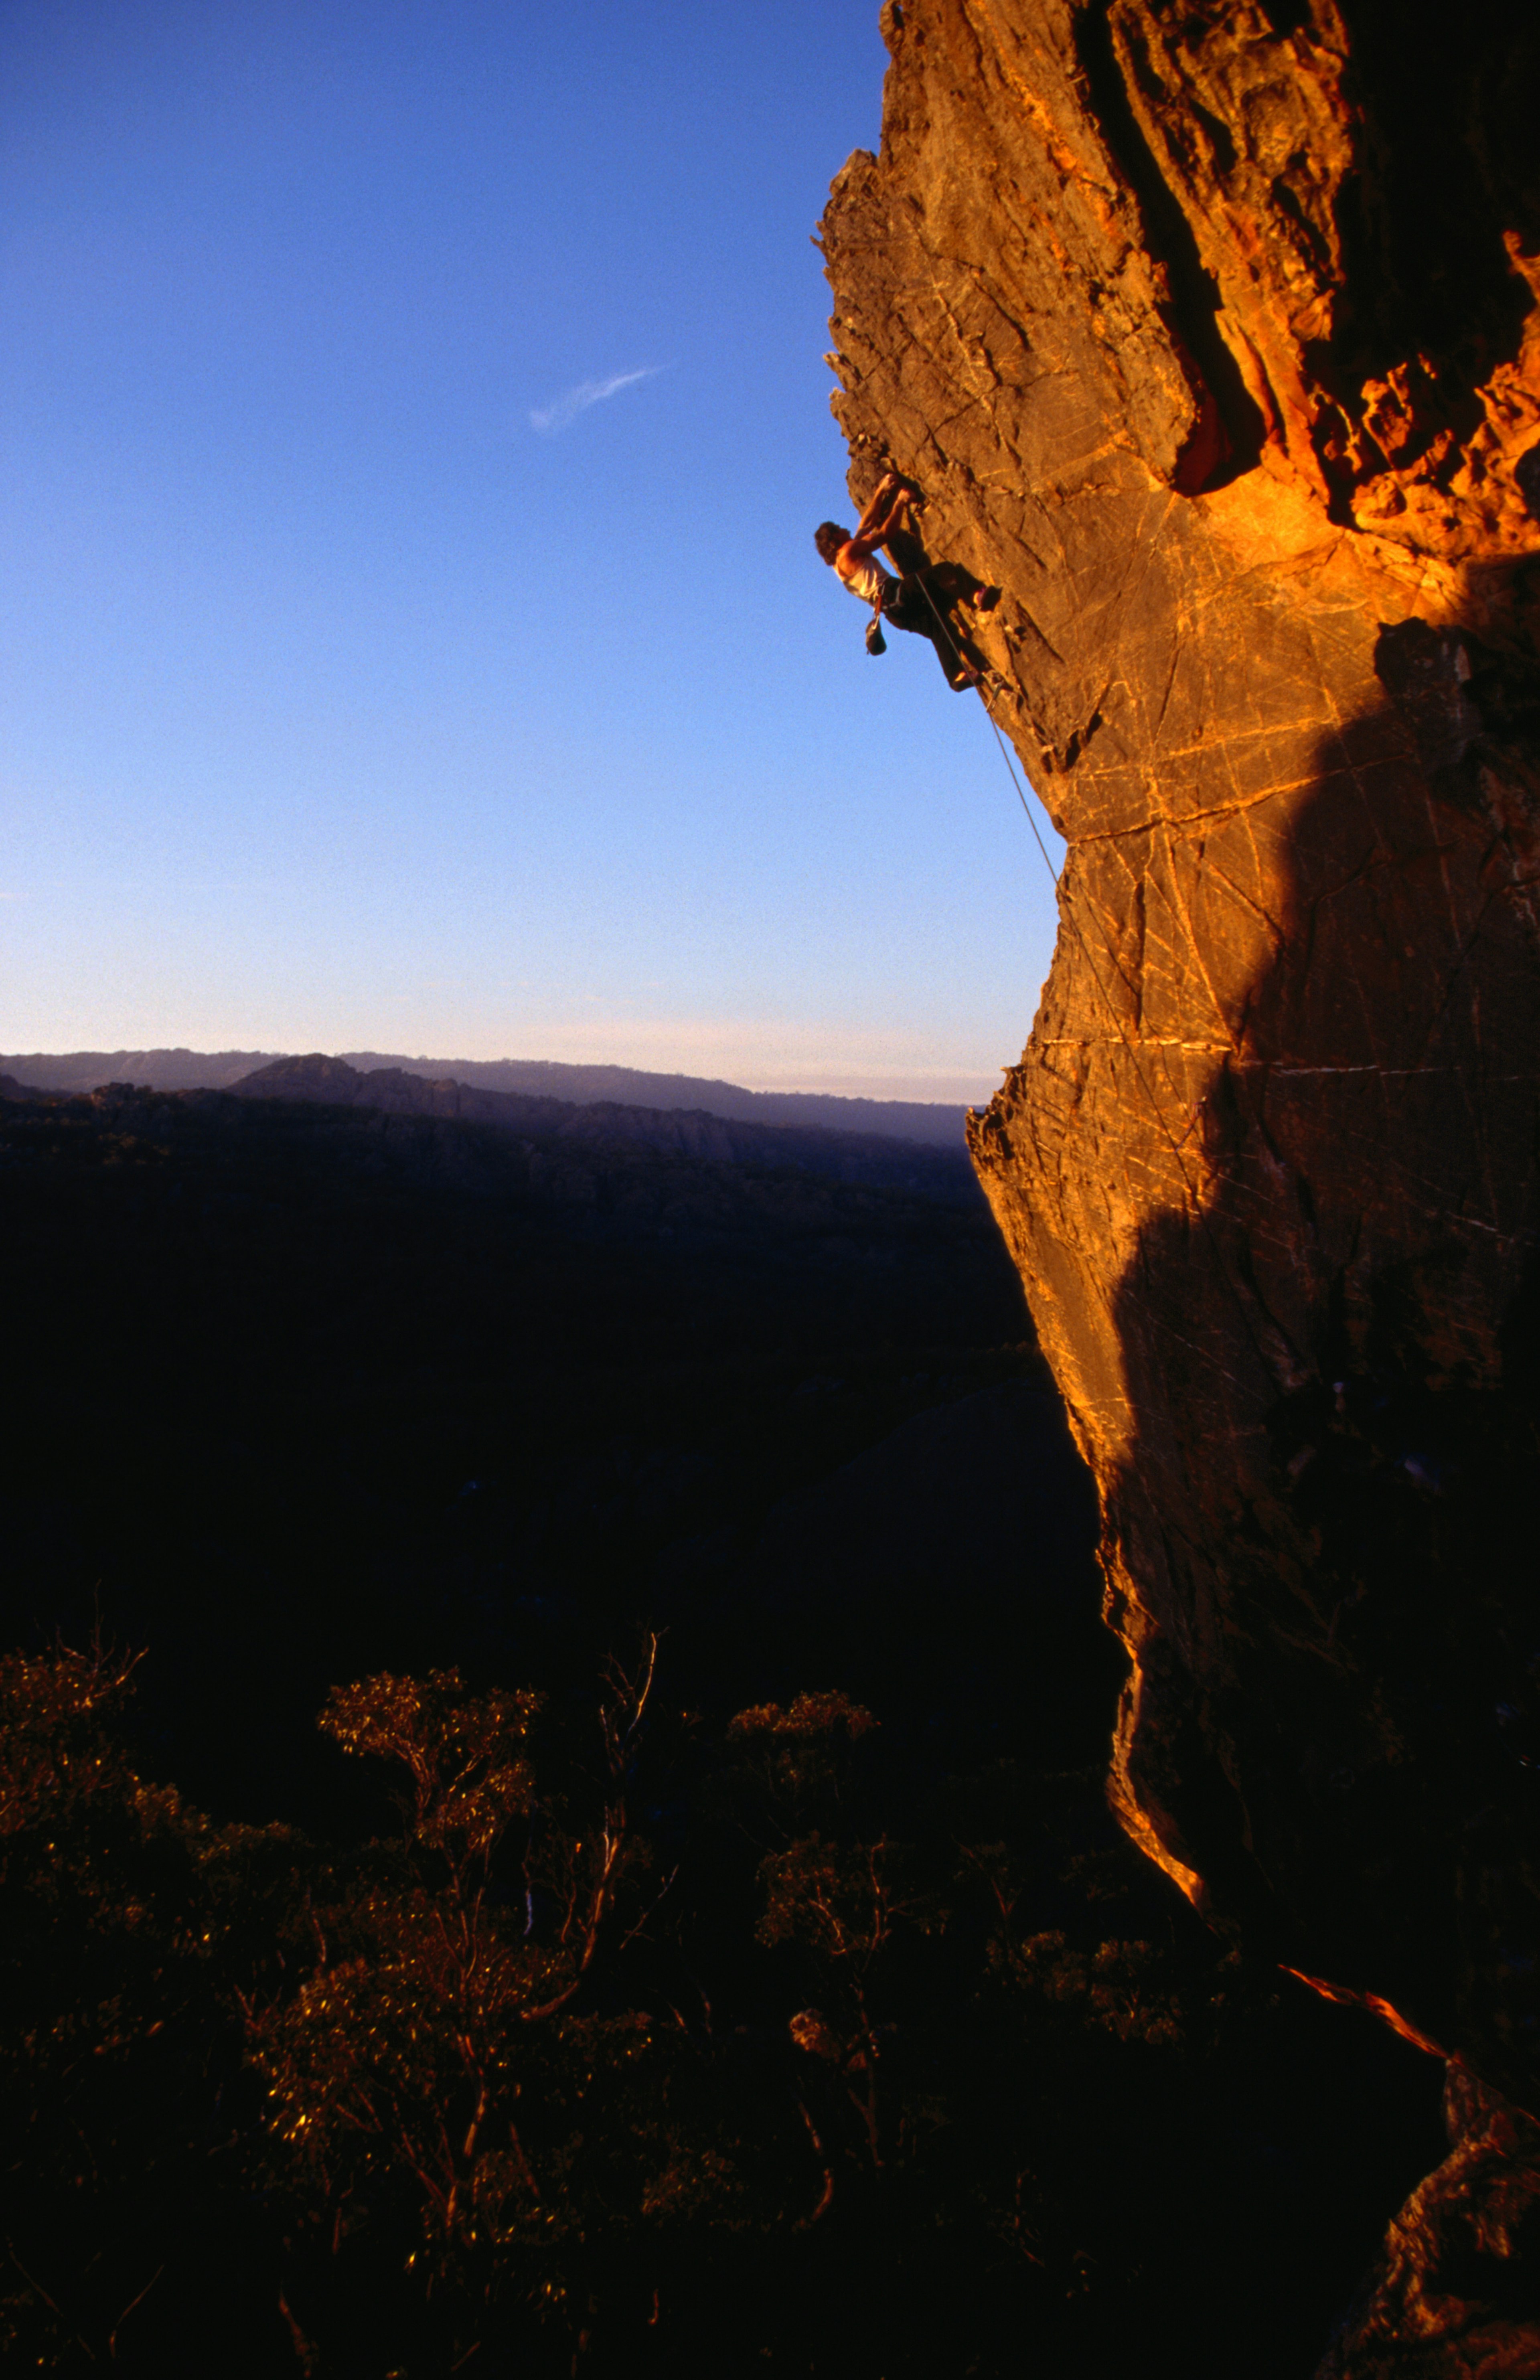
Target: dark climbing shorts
pixel 904 602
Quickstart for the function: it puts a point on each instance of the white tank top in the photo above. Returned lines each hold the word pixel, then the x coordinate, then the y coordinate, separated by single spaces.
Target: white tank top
pixel 867 580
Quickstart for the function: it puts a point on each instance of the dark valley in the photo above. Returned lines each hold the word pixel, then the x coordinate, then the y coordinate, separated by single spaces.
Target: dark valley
pixel 886 2050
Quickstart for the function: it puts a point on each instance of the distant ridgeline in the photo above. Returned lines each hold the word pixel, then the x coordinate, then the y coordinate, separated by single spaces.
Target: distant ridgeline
pixel 588 1139
pixel 221 1070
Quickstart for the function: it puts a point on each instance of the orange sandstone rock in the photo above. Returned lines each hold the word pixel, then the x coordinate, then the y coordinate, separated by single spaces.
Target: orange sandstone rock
pixel 1452 2295
pixel 1210 333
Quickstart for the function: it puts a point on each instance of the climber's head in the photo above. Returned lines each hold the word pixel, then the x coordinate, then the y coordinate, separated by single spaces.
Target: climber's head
pixel 828 537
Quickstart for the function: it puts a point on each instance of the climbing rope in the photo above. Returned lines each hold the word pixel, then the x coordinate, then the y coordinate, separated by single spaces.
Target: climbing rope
pixel 1205 1222
pixel 1071 921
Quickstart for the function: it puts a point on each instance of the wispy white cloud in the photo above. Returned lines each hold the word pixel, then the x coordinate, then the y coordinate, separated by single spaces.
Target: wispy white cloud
pixel 547 417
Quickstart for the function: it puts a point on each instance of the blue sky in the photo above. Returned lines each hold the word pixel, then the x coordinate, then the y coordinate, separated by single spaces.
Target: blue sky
pixel 414 421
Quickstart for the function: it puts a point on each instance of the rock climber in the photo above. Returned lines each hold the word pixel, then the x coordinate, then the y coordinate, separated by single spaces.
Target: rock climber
pixel 922 598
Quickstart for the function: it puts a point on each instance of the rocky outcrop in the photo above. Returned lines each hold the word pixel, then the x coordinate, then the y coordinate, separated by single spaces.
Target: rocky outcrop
pixel 1453 2295
pixel 1210 334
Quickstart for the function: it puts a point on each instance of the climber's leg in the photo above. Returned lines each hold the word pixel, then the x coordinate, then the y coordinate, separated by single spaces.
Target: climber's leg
pixel 959 672
pixel 958 662
pixel 950 582
pixel 914 610
pixel 959 586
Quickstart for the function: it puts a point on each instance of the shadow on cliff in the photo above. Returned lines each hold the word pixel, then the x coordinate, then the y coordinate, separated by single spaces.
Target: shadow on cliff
pixel 1329 1504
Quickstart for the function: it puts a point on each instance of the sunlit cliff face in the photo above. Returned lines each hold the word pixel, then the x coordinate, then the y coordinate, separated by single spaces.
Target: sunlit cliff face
pixel 1165 318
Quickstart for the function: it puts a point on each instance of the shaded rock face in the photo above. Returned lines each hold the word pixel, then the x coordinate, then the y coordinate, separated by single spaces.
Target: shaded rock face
pixel 1453 2295
pixel 1210 334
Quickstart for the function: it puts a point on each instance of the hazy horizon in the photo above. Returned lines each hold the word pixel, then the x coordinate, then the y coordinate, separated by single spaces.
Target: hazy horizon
pixel 937 1090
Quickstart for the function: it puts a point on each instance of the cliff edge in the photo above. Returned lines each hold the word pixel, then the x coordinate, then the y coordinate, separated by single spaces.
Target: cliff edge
pixel 1211 333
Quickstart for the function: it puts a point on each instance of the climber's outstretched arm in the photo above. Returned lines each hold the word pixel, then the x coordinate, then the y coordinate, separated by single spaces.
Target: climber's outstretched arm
pixel 882 513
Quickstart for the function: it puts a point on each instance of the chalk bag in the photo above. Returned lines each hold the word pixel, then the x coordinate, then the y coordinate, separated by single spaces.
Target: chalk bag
pixel 875 641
